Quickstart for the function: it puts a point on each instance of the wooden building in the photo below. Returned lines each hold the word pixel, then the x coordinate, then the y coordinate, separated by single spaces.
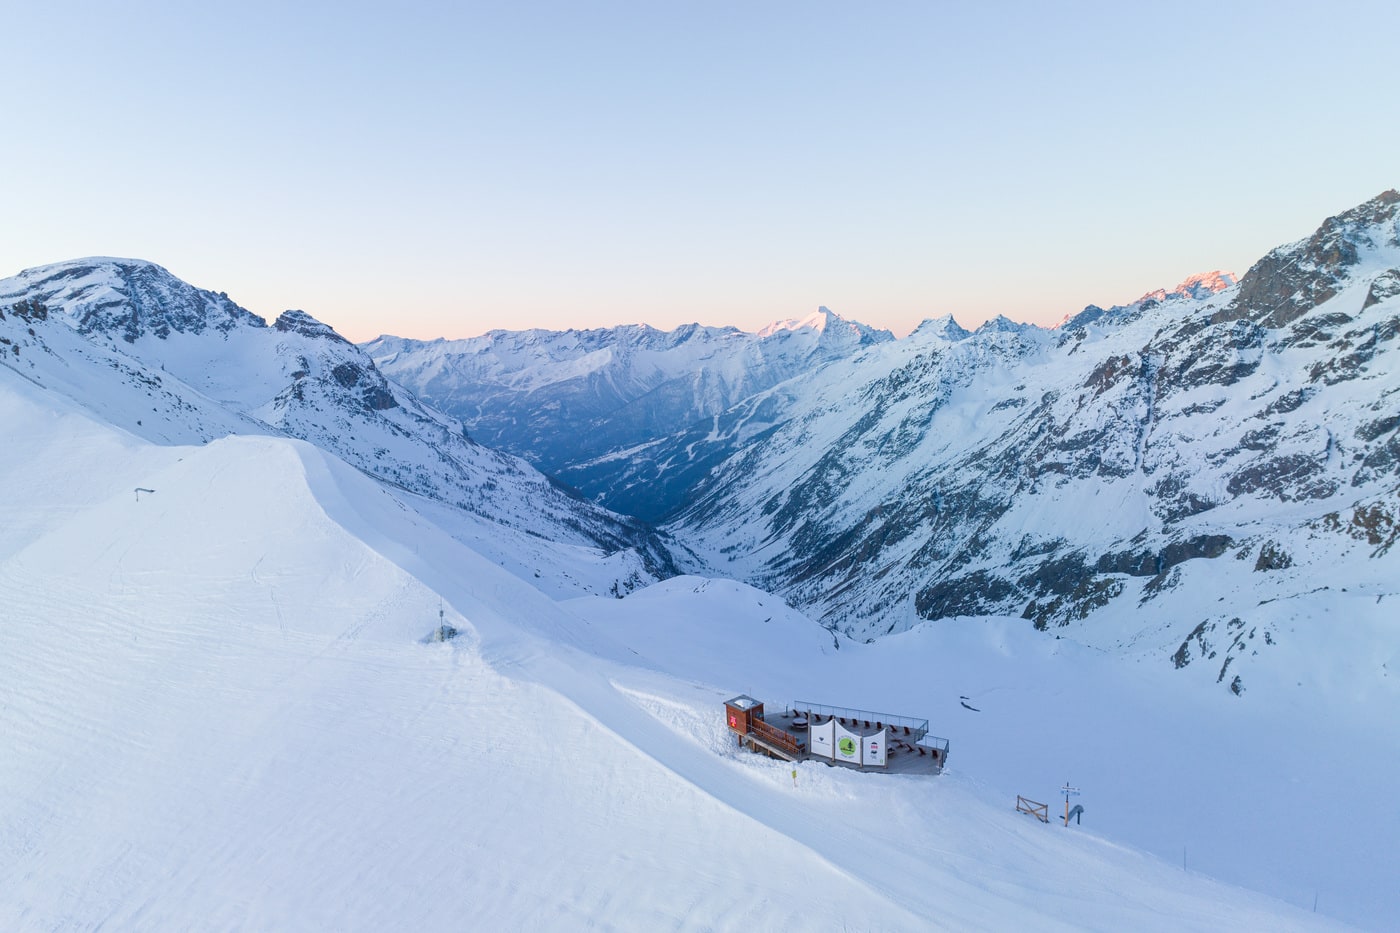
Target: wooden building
pixel 838 734
pixel 740 713
pixel 744 716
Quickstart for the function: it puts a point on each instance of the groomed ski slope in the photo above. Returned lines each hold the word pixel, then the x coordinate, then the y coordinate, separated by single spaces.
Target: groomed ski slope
pixel 221 713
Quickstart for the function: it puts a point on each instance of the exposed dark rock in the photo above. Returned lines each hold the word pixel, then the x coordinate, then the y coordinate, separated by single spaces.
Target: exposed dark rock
pixel 974 594
pixel 1182 656
pixel 1292 477
pixel 30 310
pixel 1374 522
pixel 1292 280
pixel 1167 580
pixel 1088 595
pixel 1261 438
pixel 1384 286
pixel 379 398
pixel 1208 546
pixel 1109 373
pixel 1381 460
pixel 1289 401
pixel 1314 330
pixel 1379 427
pixel 1133 563
pixel 1273 557
pixel 347 374
pixel 1174 500
pixel 299 322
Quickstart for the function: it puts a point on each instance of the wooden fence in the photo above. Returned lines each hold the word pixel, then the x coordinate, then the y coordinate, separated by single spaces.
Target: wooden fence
pixel 1038 810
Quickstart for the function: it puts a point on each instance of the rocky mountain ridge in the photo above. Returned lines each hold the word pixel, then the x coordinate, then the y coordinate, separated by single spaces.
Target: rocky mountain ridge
pixel 1188 478
pixel 1117 475
pixel 177 364
pixel 579 403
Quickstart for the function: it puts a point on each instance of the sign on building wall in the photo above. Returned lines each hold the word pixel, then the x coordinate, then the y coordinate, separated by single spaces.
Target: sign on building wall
pixel 873 749
pixel 847 745
pixel 833 740
pixel 822 740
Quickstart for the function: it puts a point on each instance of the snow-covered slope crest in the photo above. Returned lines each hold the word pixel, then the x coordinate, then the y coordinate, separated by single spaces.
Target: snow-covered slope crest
pixel 577 402
pixel 222 712
pixel 1181 478
pixel 178 364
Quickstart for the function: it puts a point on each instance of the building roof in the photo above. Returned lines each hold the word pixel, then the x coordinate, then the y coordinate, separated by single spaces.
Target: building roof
pixel 743 701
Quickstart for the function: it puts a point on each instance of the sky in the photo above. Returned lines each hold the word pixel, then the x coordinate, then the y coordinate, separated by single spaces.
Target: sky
pixel 443 169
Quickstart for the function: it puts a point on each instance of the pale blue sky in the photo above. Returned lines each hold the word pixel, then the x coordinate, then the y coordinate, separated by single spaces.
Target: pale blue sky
pixel 432 169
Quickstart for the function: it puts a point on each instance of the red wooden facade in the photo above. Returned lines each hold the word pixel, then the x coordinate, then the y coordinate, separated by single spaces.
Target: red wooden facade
pixel 740 713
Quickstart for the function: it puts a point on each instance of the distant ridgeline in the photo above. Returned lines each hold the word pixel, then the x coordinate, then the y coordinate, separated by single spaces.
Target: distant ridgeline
pixel 1188 476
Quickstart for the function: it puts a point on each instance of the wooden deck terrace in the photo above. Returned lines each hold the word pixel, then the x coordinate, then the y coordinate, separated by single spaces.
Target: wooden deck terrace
pixel 905 754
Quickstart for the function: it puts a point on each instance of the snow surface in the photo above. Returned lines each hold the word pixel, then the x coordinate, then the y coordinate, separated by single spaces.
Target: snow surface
pixel 222 713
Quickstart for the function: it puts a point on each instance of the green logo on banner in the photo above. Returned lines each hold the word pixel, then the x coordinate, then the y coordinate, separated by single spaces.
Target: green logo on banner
pixel 847 746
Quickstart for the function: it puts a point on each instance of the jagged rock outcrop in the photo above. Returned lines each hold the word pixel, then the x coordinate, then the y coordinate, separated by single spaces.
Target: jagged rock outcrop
pixel 1292 280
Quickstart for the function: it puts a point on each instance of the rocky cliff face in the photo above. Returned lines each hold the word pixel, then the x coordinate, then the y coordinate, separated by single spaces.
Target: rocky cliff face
pixel 1180 471
pixel 178 364
pixel 1292 280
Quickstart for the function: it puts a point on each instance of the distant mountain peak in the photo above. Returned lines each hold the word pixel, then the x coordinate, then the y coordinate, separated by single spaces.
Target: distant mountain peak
pixel 299 322
pixel 131 298
pixel 830 326
pixel 943 327
pixel 819 320
pixel 1001 324
pixel 1198 286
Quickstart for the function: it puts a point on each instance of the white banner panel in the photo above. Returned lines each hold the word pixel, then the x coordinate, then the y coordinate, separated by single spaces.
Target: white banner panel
pixel 872 749
pixel 847 744
pixel 822 740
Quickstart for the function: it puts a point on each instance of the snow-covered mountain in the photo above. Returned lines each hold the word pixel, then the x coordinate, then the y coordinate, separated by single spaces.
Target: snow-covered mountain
pixel 1227 467
pixel 1216 455
pixel 221 711
pixel 177 364
pixel 225 706
pixel 581 404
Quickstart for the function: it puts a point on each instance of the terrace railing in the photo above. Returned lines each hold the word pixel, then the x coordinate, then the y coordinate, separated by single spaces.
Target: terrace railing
pixel 907 726
pixel 775 736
